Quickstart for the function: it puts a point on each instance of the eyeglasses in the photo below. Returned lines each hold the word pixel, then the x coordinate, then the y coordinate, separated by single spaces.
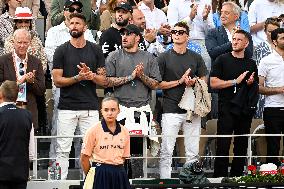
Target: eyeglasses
pixel 21 70
pixel 23 21
pixel 126 33
pixel 179 32
pixel 72 9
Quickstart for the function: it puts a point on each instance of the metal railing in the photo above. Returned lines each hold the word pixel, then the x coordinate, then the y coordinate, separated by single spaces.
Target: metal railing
pixel 145 153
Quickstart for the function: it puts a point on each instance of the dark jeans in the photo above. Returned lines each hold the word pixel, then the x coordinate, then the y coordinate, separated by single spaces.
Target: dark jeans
pixel 228 124
pixel 13 185
pixel 274 124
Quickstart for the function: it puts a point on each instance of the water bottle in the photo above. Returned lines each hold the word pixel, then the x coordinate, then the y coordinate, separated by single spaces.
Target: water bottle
pixel 258 164
pixel 57 172
pixel 50 172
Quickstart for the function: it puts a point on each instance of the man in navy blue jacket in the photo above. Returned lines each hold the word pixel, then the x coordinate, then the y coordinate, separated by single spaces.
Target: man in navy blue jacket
pixel 15 132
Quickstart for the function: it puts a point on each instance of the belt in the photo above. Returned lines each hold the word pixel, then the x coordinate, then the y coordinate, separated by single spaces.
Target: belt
pixel 19 103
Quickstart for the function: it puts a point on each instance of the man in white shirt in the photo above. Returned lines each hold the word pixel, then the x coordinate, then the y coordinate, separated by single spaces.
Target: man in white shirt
pixel 271 84
pixel 198 16
pixel 154 16
pixel 56 36
pixel 259 11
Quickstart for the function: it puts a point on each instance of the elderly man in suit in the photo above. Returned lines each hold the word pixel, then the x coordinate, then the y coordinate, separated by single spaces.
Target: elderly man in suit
pixel 218 41
pixel 26 70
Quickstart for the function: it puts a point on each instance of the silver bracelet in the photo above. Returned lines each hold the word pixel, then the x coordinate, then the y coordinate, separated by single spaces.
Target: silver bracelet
pixel 76 78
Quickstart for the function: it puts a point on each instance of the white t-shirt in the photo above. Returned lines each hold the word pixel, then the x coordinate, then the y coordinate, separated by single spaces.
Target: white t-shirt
pixel 272 68
pixel 259 11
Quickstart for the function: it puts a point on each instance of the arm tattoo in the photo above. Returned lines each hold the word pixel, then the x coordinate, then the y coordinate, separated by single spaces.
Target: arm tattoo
pixel 116 81
pixel 101 71
pixel 151 83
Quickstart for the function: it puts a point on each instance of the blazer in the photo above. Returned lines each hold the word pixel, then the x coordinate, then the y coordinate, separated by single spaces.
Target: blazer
pixel 217 43
pixel 7 72
pixel 15 128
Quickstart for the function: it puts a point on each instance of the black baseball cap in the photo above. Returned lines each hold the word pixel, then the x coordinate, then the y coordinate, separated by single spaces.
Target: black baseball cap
pixel 125 6
pixel 68 3
pixel 131 28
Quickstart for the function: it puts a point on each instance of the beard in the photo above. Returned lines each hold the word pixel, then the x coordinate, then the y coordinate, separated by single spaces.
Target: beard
pixel 76 34
pixel 122 23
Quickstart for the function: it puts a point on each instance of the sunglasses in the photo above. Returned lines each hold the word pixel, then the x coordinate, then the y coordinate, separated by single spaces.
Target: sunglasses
pixel 274 19
pixel 23 21
pixel 179 32
pixel 21 70
pixel 127 33
pixel 72 9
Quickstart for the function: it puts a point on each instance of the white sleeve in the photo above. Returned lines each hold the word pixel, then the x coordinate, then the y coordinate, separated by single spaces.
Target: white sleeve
pixel 172 12
pixel 262 67
pixel 252 14
pixel 32 144
pixel 50 45
pixel 89 36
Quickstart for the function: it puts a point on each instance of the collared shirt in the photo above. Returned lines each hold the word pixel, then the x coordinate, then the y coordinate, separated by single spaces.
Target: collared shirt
pixel 271 68
pixel 179 10
pixel 6 28
pixel 32 139
pixel 259 11
pixel 106 147
pixel 154 18
pixel 58 35
pixel 22 94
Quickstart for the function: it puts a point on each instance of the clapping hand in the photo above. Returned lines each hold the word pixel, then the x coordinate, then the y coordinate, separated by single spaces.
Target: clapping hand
pixel 85 72
pixel 206 12
pixel 250 79
pixel 30 76
pixel 139 70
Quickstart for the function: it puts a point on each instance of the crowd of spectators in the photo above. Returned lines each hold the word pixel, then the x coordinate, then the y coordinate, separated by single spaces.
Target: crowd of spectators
pixel 138 50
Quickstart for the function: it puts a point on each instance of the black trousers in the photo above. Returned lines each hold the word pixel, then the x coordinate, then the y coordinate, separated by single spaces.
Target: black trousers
pixel 228 124
pixel 274 124
pixel 13 185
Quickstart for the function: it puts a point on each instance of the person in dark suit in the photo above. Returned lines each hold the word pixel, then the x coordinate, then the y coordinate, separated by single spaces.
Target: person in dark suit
pixel 26 70
pixel 16 137
pixel 218 42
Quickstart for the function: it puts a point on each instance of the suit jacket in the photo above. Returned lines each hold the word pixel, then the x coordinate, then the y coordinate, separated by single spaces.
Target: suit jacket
pixel 7 72
pixel 217 43
pixel 15 128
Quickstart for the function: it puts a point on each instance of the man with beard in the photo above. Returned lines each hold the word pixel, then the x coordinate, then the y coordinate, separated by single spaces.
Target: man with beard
pixel 56 36
pixel 111 39
pixel 235 77
pixel 78 65
pixel 149 35
pixel 133 73
pixel 271 84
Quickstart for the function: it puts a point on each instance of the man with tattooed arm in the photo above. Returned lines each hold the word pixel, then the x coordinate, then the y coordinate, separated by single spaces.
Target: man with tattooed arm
pixel 133 73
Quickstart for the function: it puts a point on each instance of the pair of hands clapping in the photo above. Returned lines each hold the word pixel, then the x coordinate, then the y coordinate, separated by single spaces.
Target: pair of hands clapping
pixel 28 77
pixel 85 72
pixel 187 79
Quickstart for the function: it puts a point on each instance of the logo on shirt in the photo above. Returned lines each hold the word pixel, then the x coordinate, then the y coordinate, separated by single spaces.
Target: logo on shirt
pixel 107 147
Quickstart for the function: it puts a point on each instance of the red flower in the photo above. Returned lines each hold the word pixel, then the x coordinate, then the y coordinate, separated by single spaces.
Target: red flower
pixel 252 168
